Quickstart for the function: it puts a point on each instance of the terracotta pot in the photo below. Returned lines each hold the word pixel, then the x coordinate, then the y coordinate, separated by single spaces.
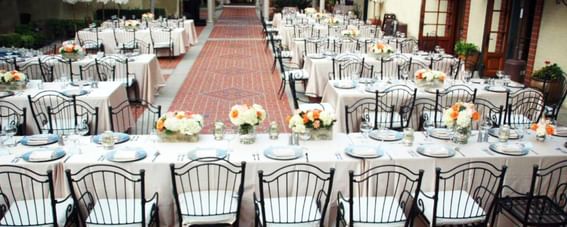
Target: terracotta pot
pixel 553 88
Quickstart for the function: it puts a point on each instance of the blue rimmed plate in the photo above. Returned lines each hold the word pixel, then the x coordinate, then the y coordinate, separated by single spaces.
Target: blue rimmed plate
pixel 39 140
pixel 441 133
pixel 44 154
pixel 75 92
pixel 203 152
pixel 511 149
pixel 283 152
pixel 494 132
pixel 436 150
pixel 364 151
pixel 126 154
pixel 386 135
pixel 118 138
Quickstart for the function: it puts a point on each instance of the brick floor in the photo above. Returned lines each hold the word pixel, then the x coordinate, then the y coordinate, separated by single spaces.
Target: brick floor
pixel 229 72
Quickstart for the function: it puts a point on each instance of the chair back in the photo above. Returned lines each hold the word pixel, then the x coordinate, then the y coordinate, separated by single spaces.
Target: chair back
pixel 447 64
pixel 66 116
pixel 414 65
pixel 549 182
pixel 302 189
pixel 524 107
pixel 402 97
pixel 35 69
pixel 362 110
pixel 13 115
pixel 407 46
pixel 489 111
pixel 89 40
pixel 27 197
pixel 467 191
pixel 391 67
pixel 108 195
pixel 314 46
pixel 208 187
pixel 60 67
pixel 121 68
pixel 383 194
pixel 8 64
pixel 39 103
pixel 137 118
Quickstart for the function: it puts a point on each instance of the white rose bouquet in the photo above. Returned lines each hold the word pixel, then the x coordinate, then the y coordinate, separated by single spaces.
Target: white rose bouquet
pixel 12 76
pixel 543 128
pixel 332 21
pixel 429 75
pixel 296 124
pixel 147 16
pixel 246 117
pixel 460 116
pixel 132 24
pixel 351 32
pixel 182 122
pixel 310 10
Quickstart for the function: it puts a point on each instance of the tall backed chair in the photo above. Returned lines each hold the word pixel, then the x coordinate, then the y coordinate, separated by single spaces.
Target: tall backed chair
pixel 137 118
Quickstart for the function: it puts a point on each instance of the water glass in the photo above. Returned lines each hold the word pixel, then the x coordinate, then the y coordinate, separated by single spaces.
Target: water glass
pixel 408 136
pixel 428 126
pixel 365 128
pixel 218 131
pixel 10 130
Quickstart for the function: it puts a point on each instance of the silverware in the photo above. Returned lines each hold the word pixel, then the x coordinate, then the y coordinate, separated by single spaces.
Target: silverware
pixel 68 157
pixel 458 150
pixel 388 154
pixel 561 149
pixel 180 157
pixel 306 157
pixel 101 158
pixel 411 153
pixel 16 159
pixel 535 152
pixel 155 156
pixel 258 156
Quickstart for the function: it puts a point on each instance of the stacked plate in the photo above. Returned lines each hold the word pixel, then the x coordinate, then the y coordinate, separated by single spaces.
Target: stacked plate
pixel 560 132
pixel 283 152
pixel 344 84
pixel 512 149
pixel 126 154
pixel 207 153
pixel 386 135
pixel 441 133
pixel 513 134
pixel 118 138
pixel 496 88
pixel 39 140
pixel 436 150
pixel 364 151
pixel 316 56
pixel 75 92
pixel 44 154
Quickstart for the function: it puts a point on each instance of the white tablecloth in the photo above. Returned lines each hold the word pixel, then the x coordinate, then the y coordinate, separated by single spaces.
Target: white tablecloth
pixel 190 33
pixel 321 153
pixel 108 94
pixel 107 38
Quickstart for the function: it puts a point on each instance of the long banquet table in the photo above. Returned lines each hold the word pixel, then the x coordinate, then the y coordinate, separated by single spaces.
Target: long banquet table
pixel 324 154
pixel 107 94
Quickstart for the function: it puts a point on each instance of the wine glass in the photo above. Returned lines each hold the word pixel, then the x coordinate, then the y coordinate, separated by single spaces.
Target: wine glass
pixel 467 76
pixel 10 130
pixel 428 126
pixel 437 48
pixel 499 74
pixel 82 128
pixel 365 128
pixel 521 131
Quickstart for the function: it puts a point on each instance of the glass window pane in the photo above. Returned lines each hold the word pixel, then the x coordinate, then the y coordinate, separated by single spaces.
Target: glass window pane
pixel 442 18
pixel 430 18
pixel 431 5
pixel 429 30
pixel 441 31
pixel 497 5
pixel 495 21
pixel 443 5
pixel 492 42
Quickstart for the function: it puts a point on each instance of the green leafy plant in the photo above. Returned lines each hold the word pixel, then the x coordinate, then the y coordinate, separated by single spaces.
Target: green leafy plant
pixel 548 72
pixel 463 48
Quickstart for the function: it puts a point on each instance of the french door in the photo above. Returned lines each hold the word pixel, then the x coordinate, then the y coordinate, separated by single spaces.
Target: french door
pixel 496 28
pixel 439 24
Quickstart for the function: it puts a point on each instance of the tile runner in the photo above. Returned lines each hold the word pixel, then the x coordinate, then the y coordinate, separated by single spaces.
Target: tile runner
pixel 229 72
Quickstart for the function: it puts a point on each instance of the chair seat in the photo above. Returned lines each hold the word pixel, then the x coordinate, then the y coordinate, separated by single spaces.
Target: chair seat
pixel 384 119
pixel 552 214
pixel 208 207
pixel 113 211
pixel 127 46
pixel 459 209
pixel 35 212
pixel 163 45
pixel 371 209
pixel 316 106
pixel 287 54
pixel 292 209
pixel 298 74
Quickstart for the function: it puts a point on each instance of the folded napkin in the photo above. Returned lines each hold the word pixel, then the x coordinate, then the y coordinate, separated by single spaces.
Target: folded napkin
pixel 365 151
pixel 125 155
pixel 498 88
pixel 208 152
pixel 561 131
pixel 436 150
pixel 73 92
pixel 344 83
pixel 511 147
pixel 388 136
pixel 41 155
pixel 283 151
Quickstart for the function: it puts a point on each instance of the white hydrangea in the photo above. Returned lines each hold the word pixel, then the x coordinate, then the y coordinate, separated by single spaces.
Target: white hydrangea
pixel 296 124
pixel 326 117
pixel 172 124
pixel 189 126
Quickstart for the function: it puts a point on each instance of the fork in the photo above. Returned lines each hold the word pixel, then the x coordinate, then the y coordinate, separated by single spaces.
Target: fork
pixel 101 158
pixel 16 159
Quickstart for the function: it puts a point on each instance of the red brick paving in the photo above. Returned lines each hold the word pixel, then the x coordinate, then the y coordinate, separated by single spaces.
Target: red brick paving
pixel 232 72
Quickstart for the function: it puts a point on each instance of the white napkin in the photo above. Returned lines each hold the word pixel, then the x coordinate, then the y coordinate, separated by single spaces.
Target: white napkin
pixel 366 151
pixel 436 150
pixel 388 136
pixel 73 91
pixel 498 88
pixel 344 83
pixel 124 155
pixel 283 151
pixel 41 155
pixel 208 152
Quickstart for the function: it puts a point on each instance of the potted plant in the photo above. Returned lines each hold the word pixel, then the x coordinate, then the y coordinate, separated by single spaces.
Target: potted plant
pixel 547 79
pixel 467 52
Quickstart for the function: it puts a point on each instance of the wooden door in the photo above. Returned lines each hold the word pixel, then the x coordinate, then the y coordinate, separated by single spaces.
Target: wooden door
pixel 438 24
pixel 496 27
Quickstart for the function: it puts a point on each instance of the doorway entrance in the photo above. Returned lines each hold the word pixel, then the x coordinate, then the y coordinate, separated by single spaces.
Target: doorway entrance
pixel 441 24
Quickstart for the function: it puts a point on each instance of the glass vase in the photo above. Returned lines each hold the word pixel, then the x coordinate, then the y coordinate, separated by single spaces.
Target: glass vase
pixel 247 134
pixel 540 138
pixel 461 135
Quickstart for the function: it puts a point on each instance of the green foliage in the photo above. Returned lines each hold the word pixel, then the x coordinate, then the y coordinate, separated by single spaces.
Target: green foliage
pixel 548 72
pixel 465 49
pixel 300 4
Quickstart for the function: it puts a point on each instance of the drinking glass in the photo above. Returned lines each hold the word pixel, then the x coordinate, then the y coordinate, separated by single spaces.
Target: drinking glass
pixel 467 76
pixel 499 74
pixel 437 48
pixel 365 128
pixel 428 126
pixel 521 131
pixel 10 130
pixel 82 128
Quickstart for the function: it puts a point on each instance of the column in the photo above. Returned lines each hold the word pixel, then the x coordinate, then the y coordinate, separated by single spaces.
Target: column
pixel 210 11
pixel 266 6
pixel 321 5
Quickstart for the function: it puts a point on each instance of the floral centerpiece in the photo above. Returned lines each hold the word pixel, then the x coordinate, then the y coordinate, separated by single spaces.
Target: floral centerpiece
pixel 71 51
pixel 247 117
pixel 310 10
pixel 427 78
pixel 132 25
pixel 381 50
pixel 147 16
pixel 317 123
pixel 179 126
pixel 12 80
pixel 542 129
pixel 332 21
pixel 351 32
pixel 459 117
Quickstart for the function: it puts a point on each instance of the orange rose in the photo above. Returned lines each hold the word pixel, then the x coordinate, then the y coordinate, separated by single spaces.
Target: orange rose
pixel 159 124
pixel 454 114
pixel 234 114
pixel 549 129
pixel 16 76
pixel 380 46
pixel 442 77
pixel 456 107
pixel 419 76
pixel 287 119
pixel 305 119
pixel 533 127
pixel 258 114
pixel 475 116
pixel 316 114
pixel 68 49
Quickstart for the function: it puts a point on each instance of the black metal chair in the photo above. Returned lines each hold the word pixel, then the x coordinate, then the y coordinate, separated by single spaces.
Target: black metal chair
pixel 162 40
pixel 362 110
pixel 413 66
pixel 391 67
pixel 544 203
pixel 66 116
pixel 28 199
pixel 382 195
pixel 364 45
pixel 407 45
pixel 125 40
pixel 314 46
pixel 285 55
pixel 111 195
pixel 352 69
pixel 12 114
pixel 524 107
pixel 39 103
pixel 208 191
pixel 122 74
pixel 301 100
pixel 464 195
pixel 8 64
pixel 35 69
pixel 90 41
pixel 402 99
pixel 335 46
pixel 446 98
pixel 136 118
pixel 447 64
pixel 98 70
pixel 489 110
pixel 552 107
pixel 287 72
pixel 60 67
pixel 293 194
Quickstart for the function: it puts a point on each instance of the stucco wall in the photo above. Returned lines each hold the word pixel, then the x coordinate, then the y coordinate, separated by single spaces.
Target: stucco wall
pixel 553 34
pixel 476 22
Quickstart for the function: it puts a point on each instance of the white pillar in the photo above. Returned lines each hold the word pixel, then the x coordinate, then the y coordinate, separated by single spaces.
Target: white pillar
pixel 266 6
pixel 210 11
pixel 321 5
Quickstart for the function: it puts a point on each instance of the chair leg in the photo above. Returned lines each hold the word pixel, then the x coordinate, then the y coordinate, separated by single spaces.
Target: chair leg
pixel 274 65
pixel 281 91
